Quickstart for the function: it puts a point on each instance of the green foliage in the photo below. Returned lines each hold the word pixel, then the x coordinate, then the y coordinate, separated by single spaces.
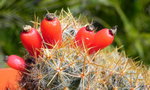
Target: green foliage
pixel 131 16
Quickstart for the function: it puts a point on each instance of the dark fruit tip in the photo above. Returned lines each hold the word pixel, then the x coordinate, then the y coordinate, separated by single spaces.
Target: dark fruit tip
pixel 5 59
pixel 26 28
pixel 50 16
pixel 90 27
pixel 114 29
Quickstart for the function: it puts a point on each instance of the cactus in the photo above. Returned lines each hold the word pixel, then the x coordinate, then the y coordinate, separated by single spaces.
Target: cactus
pixel 71 68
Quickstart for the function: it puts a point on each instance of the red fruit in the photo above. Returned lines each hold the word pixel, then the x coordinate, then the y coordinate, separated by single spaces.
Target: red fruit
pixel 102 39
pixel 31 40
pixel 16 62
pixel 85 36
pixel 51 30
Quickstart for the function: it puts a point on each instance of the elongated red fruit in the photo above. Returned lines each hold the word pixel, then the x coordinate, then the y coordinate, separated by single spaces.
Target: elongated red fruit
pixel 85 36
pixel 51 30
pixel 16 62
pixel 31 40
pixel 102 39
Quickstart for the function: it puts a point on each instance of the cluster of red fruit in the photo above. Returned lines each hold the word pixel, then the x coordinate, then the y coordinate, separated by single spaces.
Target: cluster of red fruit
pixel 52 34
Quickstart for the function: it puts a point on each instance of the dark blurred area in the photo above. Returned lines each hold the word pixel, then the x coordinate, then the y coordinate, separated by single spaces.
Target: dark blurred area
pixel 131 16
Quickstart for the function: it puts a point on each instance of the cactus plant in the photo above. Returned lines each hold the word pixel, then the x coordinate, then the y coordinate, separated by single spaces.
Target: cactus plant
pixel 71 68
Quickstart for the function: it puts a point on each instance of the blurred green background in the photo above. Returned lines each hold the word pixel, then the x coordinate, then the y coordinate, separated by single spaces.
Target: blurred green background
pixel 131 16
